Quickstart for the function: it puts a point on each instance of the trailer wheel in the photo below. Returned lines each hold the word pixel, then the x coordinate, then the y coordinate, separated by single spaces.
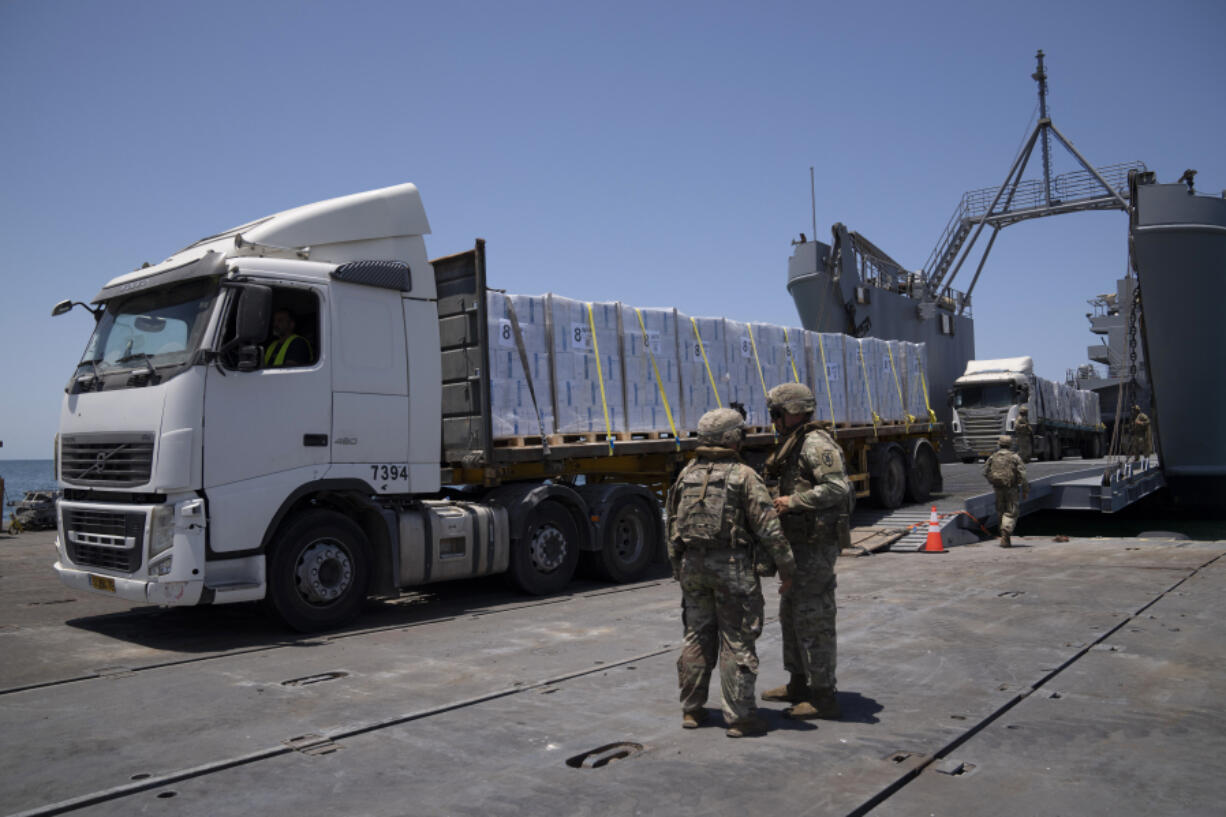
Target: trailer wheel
pixel 628 541
pixel 923 473
pixel 544 557
pixel 1057 452
pixel 319 571
pixel 889 484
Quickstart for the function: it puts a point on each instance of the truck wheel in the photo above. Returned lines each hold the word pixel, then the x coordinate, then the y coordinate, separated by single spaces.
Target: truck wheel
pixel 319 571
pixel 544 557
pixel 1057 452
pixel 628 541
pixel 888 486
pixel 921 476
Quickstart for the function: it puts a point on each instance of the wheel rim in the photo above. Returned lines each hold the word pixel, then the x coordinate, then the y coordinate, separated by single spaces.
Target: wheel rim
pixel 324 572
pixel 547 548
pixel 628 537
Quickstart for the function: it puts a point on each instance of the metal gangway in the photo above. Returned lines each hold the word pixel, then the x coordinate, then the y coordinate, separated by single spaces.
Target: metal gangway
pixel 1015 200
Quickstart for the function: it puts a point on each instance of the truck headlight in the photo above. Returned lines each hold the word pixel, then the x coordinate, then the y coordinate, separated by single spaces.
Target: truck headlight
pixel 161 530
pixel 162 566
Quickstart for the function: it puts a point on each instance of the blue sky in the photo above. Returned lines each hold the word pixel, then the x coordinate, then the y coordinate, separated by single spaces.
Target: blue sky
pixel 649 152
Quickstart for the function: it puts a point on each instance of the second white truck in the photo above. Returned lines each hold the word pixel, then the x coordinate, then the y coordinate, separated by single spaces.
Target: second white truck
pixel 985 402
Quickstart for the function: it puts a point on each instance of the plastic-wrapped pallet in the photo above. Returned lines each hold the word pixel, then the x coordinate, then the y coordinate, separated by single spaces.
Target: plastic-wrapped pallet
pixel 916 390
pixel 861 401
pixel 652 340
pixel 744 380
pixel 782 354
pixel 879 357
pixel 826 351
pixel 581 402
pixel 702 346
pixel 510 399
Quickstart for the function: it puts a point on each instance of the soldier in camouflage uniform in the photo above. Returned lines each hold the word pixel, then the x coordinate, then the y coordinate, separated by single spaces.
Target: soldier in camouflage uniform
pixel 1023 434
pixel 719 514
pixel 813 497
pixel 1006 473
pixel 1141 445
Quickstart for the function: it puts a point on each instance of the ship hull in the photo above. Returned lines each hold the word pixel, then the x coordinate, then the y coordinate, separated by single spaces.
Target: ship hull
pixel 1179 251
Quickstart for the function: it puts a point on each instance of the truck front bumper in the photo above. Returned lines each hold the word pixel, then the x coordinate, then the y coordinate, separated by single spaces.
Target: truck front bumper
pixel 169 593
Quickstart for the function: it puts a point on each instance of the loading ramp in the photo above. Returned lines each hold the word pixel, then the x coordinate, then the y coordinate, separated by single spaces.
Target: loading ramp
pixel 966 512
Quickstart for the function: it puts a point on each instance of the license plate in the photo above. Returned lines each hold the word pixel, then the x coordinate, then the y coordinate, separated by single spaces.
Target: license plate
pixel 104 583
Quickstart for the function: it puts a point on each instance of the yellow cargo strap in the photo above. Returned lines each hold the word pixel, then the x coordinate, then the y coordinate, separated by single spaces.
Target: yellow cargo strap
pixel 898 385
pixel 932 415
pixel 791 357
pixel 604 403
pixel 659 380
pixel 706 363
pixel 761 379
pixel 834 431
pixel 867 390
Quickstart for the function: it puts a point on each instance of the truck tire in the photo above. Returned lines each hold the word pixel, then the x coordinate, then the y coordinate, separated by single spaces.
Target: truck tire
pixel 628 540
pixel 888 486
pixel 922 475
pixel 319 571
pixel 1057 449
pixel 544 557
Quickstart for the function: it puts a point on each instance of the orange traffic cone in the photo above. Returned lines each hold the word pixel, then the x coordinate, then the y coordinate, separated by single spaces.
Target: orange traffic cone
pixel 934 543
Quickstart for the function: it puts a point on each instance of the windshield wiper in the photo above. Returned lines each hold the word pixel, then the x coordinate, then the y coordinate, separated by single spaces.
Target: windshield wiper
pixel 144 357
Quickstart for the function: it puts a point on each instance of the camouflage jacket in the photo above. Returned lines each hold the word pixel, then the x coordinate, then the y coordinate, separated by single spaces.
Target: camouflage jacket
pixel 1021 428
pixel 808 465
pixel 747 518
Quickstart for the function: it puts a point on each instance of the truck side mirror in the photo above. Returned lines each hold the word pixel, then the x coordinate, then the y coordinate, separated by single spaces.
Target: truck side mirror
pixel 61 308
pixel 254 313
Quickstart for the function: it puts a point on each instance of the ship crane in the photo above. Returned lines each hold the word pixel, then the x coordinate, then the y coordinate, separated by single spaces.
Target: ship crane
pixel 1090 188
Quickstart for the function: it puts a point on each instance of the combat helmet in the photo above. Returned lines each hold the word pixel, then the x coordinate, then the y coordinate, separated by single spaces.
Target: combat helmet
pixel 793 398
pixel 722 426
pixel 1023 410
pixel 1004 441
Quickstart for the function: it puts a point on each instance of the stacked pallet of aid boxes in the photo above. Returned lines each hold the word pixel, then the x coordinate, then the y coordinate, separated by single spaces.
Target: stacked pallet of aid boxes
pixel 609 369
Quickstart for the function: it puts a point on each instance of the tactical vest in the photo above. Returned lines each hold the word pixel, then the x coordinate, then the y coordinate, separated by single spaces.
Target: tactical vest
pixel 705 519
pixel 783 465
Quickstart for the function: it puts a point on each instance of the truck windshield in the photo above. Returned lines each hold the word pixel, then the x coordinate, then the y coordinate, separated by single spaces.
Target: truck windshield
pixel 987 395
pixel 156 331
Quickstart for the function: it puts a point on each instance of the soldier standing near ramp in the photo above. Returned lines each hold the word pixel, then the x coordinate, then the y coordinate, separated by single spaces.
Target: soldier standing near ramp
pixel 1007 474
pixel 813 498
pixel 1023 434
pixel 719 513
pixel 1140 433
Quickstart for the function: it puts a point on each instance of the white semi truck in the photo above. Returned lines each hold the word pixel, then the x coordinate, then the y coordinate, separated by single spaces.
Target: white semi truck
pixel 198 471
pixel 985 402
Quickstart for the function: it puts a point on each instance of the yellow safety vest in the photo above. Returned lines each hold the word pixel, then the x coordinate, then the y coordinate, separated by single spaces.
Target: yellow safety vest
pixel 276 351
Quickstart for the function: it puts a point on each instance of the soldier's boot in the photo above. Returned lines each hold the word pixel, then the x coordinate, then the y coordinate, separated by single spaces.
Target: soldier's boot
pixel 822 704
pixel 793 692
pixel 747 727
pixel 693 719
pixel 1006 541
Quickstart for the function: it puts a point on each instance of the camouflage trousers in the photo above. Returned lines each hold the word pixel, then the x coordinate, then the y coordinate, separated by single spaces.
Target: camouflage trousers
pixel 1006 508
pixel 721 607
pixel 807 614
pixel 1025 446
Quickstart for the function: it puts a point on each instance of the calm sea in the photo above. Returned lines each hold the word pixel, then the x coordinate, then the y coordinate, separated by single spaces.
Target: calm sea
pixel 25 475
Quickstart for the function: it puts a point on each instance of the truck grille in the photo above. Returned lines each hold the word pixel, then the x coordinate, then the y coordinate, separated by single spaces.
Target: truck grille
pixel 114 460
pixel 112 540
pixel 981 428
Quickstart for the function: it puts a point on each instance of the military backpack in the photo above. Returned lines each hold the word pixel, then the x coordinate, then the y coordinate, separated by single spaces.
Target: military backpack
pixel 702 506
pixel 1000 470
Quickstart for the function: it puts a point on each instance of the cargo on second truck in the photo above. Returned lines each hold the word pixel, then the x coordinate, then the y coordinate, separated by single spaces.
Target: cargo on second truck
pixel 986 400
